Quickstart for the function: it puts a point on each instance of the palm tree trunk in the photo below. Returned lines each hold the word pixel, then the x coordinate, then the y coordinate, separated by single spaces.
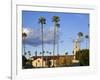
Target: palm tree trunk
pixel 54 44
pixel 58 46
pixel 42 44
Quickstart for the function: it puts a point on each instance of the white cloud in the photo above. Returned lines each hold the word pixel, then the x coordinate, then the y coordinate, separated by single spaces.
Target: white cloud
pixel 34 36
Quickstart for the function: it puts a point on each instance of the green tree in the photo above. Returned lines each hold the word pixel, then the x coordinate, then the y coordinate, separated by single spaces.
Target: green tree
pixel 83 57
pixel 24 60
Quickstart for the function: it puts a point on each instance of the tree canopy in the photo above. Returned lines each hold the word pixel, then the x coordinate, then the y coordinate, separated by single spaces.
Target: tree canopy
pixel 83 57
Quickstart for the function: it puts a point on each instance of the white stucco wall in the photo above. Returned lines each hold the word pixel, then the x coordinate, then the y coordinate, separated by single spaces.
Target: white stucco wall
pixel 38 63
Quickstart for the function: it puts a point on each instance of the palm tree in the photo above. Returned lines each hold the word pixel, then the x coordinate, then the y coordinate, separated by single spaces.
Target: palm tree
pixel 50 53
pixel 80 35
pixel 55 19
pixel 66 53
pixel 40 53
pixel 36 56
pixel 29 53
pixel 24 35
pixel 25 53
pixel 42 21
pixel 87 37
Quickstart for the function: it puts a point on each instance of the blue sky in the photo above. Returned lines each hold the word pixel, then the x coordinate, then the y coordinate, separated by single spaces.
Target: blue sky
pixel 70 25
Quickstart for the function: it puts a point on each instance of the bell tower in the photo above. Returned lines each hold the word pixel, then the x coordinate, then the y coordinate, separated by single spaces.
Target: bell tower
pixel 75 48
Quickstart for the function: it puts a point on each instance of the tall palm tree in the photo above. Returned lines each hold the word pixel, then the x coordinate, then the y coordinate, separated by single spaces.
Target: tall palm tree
pixel 87 37
pixel 80 35
pixel 24 35
pixel 55 20
pixel 42 21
